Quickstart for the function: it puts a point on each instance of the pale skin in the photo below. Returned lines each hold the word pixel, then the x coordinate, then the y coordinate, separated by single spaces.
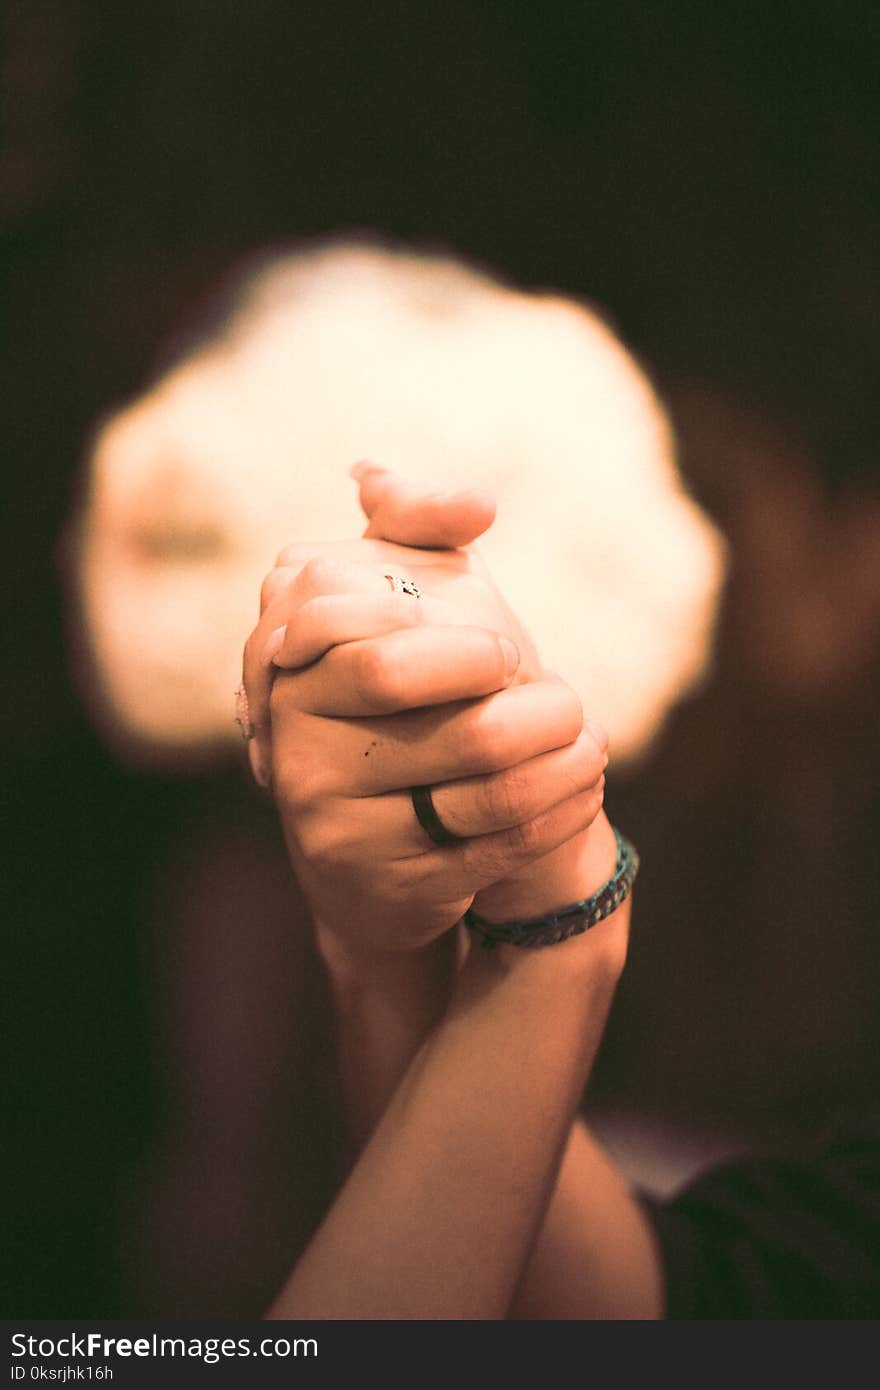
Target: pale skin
pixel 475 1192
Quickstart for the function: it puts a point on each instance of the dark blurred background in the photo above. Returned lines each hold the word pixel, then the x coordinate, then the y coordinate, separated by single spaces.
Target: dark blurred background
pixel 708 174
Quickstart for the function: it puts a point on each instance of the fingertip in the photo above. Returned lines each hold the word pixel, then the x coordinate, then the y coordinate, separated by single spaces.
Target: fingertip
pixel 259 766
pixel 510 652
pixel 481 500
pixel 360 469
pixel 463 515
pixel 274 643
pixel 376 485
pixel 404 513
pixel 598 733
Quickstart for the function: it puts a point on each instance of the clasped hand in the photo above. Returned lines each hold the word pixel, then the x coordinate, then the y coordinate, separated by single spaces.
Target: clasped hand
pixel 358 693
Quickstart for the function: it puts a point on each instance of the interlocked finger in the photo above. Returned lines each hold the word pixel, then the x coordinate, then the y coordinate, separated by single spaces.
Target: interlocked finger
pixel 405 670
pixel 487 859
pixel 508 817
pixel 475 806
pixel 351 758
pixel 285 590
pixel 400 511
pixel 329 620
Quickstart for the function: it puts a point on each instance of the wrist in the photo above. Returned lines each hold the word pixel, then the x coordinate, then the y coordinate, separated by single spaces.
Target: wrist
pixel 581 973
pixel 356 970
pixel 568 874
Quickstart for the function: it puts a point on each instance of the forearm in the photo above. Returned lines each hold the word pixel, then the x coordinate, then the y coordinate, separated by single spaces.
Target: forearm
pixel 517 774
pixel 386 1005
pixel 439 1215
pixel 595 1256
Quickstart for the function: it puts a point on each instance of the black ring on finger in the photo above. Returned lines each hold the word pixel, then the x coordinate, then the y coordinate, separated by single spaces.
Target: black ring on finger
pixel 426 813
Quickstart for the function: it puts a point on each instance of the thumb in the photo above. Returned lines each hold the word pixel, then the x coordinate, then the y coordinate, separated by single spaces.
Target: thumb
pixel 401 512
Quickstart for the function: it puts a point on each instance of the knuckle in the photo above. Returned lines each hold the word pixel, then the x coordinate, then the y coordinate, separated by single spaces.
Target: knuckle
pixel 485 862
pixel 288 555
pixel 507 797
pixel 571 714
pixel 588 806
pixel 316 610
pixel 485 739
pixel 524 839
pixel 592 761
pixel 271 587
pixel 300 783
pixel 322 841
pixel 325 574
pixel 492 857
pixel 378 677
pixel 309 622
pixel 317 573
pixel 410 878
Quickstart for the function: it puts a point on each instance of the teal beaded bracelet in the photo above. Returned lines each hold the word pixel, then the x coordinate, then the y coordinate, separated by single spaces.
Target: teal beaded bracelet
pixel 568 921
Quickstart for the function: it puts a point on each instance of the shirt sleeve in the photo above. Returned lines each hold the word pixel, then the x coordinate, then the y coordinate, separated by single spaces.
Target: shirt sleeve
pixel 776 1238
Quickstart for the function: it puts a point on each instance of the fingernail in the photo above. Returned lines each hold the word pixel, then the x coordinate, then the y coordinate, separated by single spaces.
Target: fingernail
pixel 478 496
pixel 597 732
pixel 511 655
pixel 274 643
pixel 362 467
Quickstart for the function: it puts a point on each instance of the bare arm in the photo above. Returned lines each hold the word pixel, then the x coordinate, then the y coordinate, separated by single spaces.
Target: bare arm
pixel 594 1255
pixel 440 1213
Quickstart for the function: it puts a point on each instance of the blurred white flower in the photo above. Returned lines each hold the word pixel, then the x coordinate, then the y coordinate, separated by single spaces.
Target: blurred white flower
pixel 427 366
